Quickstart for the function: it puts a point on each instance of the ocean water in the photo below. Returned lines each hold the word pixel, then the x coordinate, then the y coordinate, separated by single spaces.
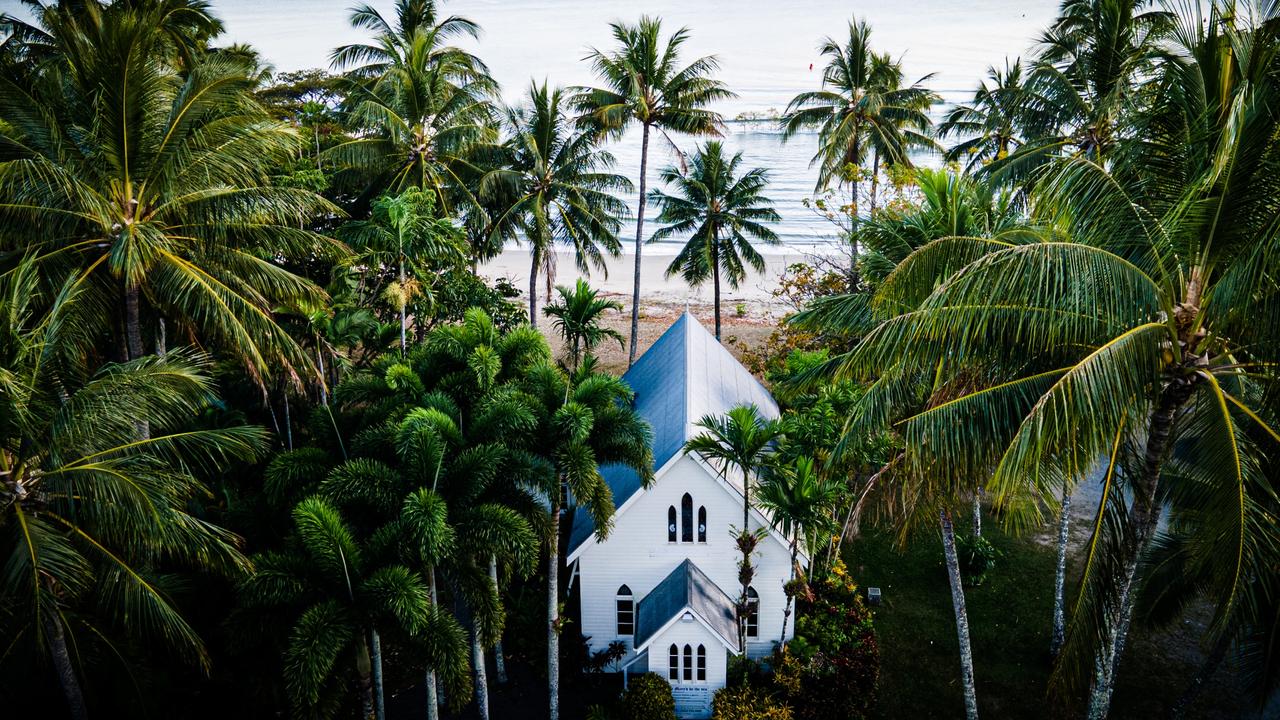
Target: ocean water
pixel 767 51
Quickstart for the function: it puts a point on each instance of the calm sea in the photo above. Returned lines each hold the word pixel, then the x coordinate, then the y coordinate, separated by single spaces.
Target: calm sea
pixel 765 48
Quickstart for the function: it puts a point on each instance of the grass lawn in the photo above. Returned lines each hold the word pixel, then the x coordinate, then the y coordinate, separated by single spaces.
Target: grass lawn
pixel 1010 618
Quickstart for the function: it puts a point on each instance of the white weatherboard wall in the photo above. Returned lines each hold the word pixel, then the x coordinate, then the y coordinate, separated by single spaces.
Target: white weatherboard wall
pixel 637 554
pixel 693 697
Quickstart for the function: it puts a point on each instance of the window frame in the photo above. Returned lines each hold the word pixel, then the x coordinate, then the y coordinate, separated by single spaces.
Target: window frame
pixel 753 612
pixel 624 595
pixel 686 518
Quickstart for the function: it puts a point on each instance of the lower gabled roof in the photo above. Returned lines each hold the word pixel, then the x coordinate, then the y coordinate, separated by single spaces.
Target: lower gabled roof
pixel 687 588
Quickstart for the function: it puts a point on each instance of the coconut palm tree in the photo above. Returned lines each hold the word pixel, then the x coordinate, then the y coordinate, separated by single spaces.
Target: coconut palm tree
pixel 721 210
pixel 577 319
pixel 418 105
pixel 992 124
pixel 799 501
pixel 862 107
pixel 85 505
pixel 1150 329
pixel 403 230
pixel 143 164
pixel 644 84
pixel 743 440
pixel 582 421
pixel 559 186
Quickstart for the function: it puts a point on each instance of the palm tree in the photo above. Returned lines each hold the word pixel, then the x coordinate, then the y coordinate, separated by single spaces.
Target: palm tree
pixel 577 319
pixel 720 209
pixel 338 596
pixel 861 107
pixel 404 230
pixel 418 104
pixel 142 164
pixel 644 84
pixel 559 188
pixel 1150 330
pixel 84 503
pixel 744 440
pixel 991 125
pixel 583 421
pixel 800 502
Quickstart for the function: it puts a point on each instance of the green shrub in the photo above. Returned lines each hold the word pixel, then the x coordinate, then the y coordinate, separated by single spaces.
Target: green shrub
pixel 977 557
pixel 745 702
pixel 648 697
pixel 831 668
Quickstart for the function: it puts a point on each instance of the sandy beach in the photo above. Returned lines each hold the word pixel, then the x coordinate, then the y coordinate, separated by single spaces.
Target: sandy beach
pixel 748 314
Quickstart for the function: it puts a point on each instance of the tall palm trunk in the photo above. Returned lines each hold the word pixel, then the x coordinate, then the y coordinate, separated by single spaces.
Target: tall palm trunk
pixel 364 672
pixel 1144 515
pixel 715 274
pixel 1060 579
pixel 977 513
pixel 553 610
pixel 875 181
pixel 962 616
pixel 132 323
pixel 62 664
pixel 499 662
pixel 786 613
pixel 403 304
pixel 379 700
pixel 635 290
pixel 533 287
pixel 433 697
pixel 482 676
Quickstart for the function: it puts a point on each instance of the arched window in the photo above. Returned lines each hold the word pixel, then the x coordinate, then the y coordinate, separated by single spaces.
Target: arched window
pixel 673 663
pixel 702 524
pixel 671 524
pixel 686 518
pixel 753 613
pixel 626 611
pixel 688 662
pixel 702 662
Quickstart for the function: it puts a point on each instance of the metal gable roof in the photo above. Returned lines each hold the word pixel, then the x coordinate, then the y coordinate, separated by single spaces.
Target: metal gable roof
pixel 686 588
pixel 682 377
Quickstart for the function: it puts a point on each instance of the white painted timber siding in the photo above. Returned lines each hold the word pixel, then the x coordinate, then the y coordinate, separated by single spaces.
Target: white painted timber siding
pixel 693 696
pixel 637 554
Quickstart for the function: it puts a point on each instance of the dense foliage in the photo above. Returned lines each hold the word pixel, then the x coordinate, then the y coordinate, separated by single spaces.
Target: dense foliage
pixel 648 697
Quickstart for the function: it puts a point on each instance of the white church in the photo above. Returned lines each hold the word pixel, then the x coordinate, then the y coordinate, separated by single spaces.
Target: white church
pixel 665 580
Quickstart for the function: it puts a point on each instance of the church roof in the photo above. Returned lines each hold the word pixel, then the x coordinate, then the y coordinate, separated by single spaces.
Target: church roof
pixel 682 377
pixel 687 588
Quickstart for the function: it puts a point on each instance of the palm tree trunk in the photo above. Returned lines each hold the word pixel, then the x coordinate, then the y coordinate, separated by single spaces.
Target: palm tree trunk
pixel 499 662
pixel 1203 675
pixel 533 288
pixel 1144 515
pixel 162 345
pixel 288 421
pixel 482 674
pixel 786 614
pixel 875 180
pixel 66 671
pixel 132 324
pixel 403 304
pixel 962 616
pixel 977 513
pixel 553 610
pixel 715 274
pixel 1060 579
pixel 635 290
pixel 433 699
pixel 379 700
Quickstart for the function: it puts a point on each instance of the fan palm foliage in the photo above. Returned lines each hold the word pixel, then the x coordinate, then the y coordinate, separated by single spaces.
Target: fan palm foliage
pixel 559 187
pixel 1151 329
pixel 418 105
pixel 140 163
pixel 644 83
pixel 862 107
pixel 577 317
pixel 93 520
pixel 742 440
pixel 721 210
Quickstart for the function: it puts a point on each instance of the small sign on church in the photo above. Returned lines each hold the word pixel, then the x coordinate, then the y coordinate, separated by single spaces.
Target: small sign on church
pixel 692 701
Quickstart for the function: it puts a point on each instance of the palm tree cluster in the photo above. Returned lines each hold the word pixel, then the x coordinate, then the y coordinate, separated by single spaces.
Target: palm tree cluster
pixel 1095 302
